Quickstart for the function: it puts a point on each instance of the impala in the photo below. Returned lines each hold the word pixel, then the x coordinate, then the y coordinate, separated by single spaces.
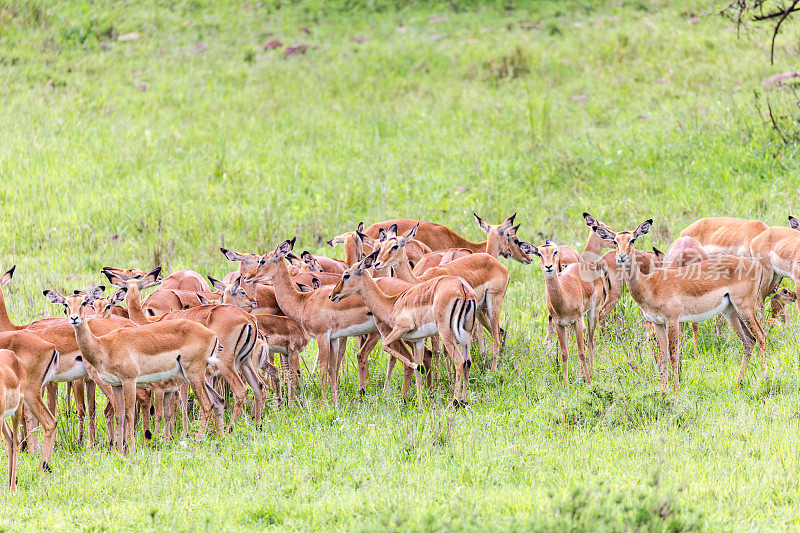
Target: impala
pixel 145 354
pixel 487 276
pixel 779 302
pixel 235 329
pixel 444 305
pixel 13 380
pixel 725 235
pixel 571 295
pixel 728 285
pixel 780 247
pixel 326 321
pixel 500 239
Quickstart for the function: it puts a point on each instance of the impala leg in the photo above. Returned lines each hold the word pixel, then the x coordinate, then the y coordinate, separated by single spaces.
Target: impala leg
pixel 362 358
pixel 109 393
pixel 52 396
pixel 662 345
pixel 493 314
pixel 748 341
pixel 129 401
pixel 119 403
pixel 258 394
pixel 673 341
pixel 78 391
pixel 12 446
pixel 333 368
pixel 324 348
pixel 144 402
pixel 750 320
pixel 457 356
pixel 389 370
pixel 561 331
pixel 580 344
pixel 35 403
pixel 695 333
pixel 91 410
pixel 183 396
pixel 590 330
pixel 231 376
pixel 159 397
pixel 550 327
pixel 417 350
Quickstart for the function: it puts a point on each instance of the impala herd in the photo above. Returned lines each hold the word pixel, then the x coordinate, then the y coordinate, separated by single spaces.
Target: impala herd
pixel 402 280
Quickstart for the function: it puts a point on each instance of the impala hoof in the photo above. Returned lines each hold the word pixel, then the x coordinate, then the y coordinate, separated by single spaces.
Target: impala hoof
pixel 46 468
pixel 148 434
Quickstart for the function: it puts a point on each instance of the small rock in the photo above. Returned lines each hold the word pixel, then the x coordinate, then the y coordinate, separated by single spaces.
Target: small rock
pixel 360 38
pixel 125 37
pixel 271 44
pixel 295 50
pixel 436 19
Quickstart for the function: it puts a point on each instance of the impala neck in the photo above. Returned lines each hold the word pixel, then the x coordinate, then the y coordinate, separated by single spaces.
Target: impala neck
pixel 402 270
pixel 135 310
pixel 376 300
pixel 632 276
pixel 5 320
pixel 352 251
pixel 553 287
pixel 594 244
pixel 289 299
pixel 490 246
pixel 87 342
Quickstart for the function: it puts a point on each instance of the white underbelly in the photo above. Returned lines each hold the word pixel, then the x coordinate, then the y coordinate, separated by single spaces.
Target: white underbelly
pixel 278 349
pixel 709 314
pixel 77 371
pixel 51 372
pixel 355 331
pixel 159 376
pixel 422 332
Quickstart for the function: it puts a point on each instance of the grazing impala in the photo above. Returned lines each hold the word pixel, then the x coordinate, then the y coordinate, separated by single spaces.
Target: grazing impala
pixel 235 329
pixel 487 276
pixel 571 295
pixel 780 300
pixel 13 381
pixel 501 240
pixel 729 285
pixel 725 235
pixel 145 354
pixel 326 321
pixel 444 305
pixel 781 248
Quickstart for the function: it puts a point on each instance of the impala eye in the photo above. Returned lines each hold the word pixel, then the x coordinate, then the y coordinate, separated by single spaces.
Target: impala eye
pixel 261 261
pixel 346 276
pixel 394 247
pixel 555 252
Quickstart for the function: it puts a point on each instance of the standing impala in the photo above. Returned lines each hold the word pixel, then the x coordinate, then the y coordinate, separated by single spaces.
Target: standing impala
pixel 501 239
pixel 444 305
pixel 729 285
pixel 13 378
pixel 235 329
pixel 145 354
pixel 571 295
pixel 326 321
pixel 487 276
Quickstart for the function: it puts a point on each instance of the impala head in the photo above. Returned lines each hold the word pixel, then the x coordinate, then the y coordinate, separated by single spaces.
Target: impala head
pixel 126 273
pixel 794 223
pixel 267 266
pixel 592 222
pixel 75 305
pixel 103 307
pixel 133 282
pixel 503 239
pixel 351 277
pixel 548 257
pixel 246 260
pixel 310 261
pixel 233 294
pixel 624 240
pixel 785 296
pixel 346 236
pixel 391 251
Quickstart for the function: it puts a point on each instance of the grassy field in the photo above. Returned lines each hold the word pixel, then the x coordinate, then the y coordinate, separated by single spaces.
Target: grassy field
pixel 159 149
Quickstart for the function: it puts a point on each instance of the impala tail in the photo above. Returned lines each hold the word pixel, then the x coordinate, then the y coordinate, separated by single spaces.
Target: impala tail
pixel 462 318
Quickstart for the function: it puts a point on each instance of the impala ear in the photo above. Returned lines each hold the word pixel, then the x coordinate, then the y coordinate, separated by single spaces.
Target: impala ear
pixel 203 300
pixel 360 226
pixel 393 229
pixel 482 223
pixel 528 248
pixel 217 284
pixel 230 255
pixel 382 236
pixel 368 261
pixel 54 297
pixel 603 233
pixel 315 283
pixel 150 279
pixel 118 296
pixel 590 220
pixel 793 223
pixel 513 230
pixel 7 276
pixel 643 228
pixel 303 288
pixel 658 253
pixel 410 235
pixel 506 225
pixel 285 247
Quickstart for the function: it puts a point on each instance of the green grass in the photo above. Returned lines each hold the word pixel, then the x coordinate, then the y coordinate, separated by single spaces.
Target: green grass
pixel 157 151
